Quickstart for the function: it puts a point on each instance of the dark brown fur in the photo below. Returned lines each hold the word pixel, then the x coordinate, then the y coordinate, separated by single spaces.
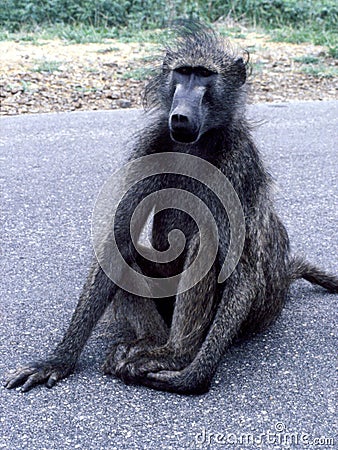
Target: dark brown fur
pixel 175 344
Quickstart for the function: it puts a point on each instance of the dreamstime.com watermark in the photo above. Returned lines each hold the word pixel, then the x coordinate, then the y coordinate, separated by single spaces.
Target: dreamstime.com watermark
pixel 107 234
pixel 279 435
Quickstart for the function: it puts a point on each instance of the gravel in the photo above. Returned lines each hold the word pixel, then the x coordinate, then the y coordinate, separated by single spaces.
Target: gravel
pixel 54 76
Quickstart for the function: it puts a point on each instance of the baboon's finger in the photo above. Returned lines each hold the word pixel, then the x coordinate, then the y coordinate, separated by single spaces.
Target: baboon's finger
pixel 52 380
pixel 18 377
pixel 33 380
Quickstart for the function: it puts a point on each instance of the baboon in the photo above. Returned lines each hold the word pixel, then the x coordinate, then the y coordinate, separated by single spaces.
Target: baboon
pixel 196 106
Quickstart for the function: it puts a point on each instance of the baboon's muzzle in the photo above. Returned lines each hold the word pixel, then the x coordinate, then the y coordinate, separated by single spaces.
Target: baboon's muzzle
pixel 185 118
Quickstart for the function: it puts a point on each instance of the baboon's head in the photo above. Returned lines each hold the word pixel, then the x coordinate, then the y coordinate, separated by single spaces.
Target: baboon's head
pixel 201 83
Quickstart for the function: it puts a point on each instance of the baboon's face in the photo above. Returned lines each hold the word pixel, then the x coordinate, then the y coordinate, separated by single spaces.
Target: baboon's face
pixel 187 113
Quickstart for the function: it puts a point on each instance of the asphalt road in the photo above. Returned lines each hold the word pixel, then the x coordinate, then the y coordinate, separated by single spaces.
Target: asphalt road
pixel 278 387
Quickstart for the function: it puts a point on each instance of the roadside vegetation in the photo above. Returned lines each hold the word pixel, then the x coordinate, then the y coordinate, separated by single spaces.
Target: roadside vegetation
pixel 45 68
pixel 82 21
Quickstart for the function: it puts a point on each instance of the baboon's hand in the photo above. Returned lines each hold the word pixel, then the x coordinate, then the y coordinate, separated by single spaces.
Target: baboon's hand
pixel 49 372
pixel 135 368
pixel 122 351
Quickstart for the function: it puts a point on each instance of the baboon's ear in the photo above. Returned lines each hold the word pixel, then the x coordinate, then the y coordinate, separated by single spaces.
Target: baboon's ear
pixel 241 71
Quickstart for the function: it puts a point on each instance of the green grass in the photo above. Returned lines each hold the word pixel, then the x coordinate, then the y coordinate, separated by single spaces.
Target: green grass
pixel 82 21
pixel 82 34
pixel 47 66
pixel 300 35
pixel 83 90
pixel 307 59
pixel 258 67
pixel 333 51
pixel 316 66
pixel 139 74
pixel 72 34
pixel 23 86
pixel 320 71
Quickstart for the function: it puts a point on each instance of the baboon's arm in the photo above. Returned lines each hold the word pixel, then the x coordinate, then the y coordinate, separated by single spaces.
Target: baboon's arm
pixel 97 293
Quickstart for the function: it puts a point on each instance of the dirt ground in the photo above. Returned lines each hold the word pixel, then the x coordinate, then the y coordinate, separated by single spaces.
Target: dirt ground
pixel 47 76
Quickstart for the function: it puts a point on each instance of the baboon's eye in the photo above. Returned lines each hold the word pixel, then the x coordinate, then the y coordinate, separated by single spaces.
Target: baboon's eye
pixel 203 72
pixel 184 70
pixel 199 71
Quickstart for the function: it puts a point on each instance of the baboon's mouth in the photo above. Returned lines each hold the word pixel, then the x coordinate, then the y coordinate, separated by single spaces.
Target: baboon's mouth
pixel 184 137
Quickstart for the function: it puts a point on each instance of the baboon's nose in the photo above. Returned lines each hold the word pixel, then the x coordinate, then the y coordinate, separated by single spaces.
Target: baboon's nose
pixel 182 129
pixel 178 120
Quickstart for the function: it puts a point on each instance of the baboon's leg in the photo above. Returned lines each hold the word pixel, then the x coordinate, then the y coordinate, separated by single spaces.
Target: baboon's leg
pixel 192 316
pixel 97 293
pixel 234 307
pixel 142 328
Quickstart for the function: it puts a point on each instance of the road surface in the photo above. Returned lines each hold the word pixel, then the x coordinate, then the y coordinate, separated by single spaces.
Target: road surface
pixel 275 389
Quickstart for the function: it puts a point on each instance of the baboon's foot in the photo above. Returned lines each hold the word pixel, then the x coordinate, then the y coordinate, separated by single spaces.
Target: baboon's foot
pixel 134 369
pixel 125 350
pixel 49 372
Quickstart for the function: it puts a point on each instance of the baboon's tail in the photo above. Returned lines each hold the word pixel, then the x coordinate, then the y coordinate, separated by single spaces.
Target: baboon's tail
pixel 299 268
